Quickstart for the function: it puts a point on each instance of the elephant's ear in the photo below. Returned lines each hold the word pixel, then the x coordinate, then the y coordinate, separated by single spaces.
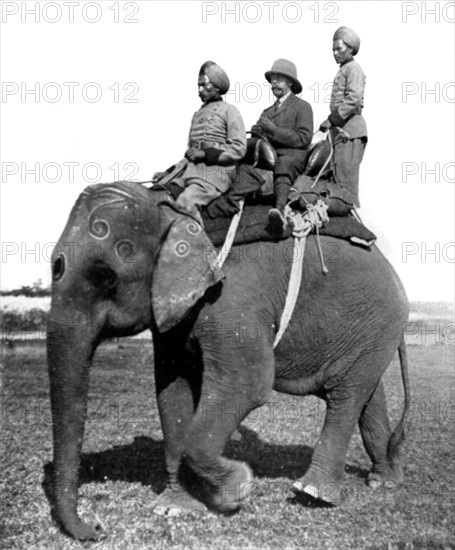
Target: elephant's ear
pixel 185 269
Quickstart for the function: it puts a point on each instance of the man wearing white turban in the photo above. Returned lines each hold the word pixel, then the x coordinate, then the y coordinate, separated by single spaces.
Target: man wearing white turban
pixel 345 122
pixel 217 141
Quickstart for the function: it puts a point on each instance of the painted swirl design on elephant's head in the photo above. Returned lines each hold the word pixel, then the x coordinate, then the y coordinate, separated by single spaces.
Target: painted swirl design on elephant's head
pixel 193 228
pixel 98 227
pixel 182 249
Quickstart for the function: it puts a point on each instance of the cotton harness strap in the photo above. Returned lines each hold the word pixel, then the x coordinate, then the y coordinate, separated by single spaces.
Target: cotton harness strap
pixel 302 224
pixel 294 286
pixel 226 248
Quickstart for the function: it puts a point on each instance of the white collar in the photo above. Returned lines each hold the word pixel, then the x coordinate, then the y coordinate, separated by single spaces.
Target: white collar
pixel 283 99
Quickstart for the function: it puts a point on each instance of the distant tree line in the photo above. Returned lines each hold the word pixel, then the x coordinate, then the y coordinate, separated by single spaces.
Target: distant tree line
pixel 36 290
pixel 14 322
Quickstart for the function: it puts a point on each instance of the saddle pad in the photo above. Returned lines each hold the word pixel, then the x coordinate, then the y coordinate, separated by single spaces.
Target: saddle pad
pixel 254 221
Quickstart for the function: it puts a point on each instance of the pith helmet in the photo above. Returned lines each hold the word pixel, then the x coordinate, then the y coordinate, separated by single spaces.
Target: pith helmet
pixel 286 68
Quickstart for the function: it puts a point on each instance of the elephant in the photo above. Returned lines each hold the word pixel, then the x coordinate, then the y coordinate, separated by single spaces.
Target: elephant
pixel 107 269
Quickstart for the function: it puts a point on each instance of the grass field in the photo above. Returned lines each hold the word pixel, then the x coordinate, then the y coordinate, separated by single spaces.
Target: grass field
pixel 123 466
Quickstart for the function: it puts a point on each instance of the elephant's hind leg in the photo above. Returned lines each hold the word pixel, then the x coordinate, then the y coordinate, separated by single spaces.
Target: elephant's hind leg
pixel 325 475
pixel 375 430
pixel 346 400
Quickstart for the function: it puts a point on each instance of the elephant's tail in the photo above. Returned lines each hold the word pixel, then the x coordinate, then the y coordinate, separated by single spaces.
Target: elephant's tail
pixel 397 437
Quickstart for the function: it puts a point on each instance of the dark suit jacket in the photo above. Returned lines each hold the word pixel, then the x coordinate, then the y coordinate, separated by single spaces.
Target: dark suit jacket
pixel 294 120
pixel 292 136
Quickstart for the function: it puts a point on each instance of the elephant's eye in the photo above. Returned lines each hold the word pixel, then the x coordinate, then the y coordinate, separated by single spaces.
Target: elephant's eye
pixel 58 269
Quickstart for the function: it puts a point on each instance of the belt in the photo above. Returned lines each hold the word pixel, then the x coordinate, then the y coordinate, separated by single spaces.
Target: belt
pixel 204 144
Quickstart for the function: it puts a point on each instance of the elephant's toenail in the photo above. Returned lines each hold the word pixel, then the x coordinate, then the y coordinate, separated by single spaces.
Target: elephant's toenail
pixel 311 490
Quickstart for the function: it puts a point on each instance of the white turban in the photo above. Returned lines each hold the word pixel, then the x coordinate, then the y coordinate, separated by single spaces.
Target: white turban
pixel 349 37
pixel 216 75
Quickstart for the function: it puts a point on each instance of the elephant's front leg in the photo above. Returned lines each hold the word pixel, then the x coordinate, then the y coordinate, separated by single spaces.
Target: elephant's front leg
pixel 178 383
pixel 236 381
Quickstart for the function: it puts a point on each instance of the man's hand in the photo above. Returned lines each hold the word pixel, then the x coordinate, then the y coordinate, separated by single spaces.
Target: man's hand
pixel 256 130
pixel 325 126
pixel 195 155
pixel 266 125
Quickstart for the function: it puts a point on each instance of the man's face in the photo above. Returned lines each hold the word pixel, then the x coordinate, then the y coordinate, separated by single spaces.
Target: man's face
pixel 206 89
pixel 280 85
pixel 341 52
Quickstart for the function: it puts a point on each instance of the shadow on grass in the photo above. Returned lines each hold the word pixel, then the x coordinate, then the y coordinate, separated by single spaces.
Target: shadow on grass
pixel 143 462
pixel 139 462
pixel 269 460
pixel 307 501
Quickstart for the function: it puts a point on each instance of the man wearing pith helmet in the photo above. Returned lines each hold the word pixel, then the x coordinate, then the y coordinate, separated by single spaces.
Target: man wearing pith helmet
pixel 288 125
pixel 217 141
pixel 345 122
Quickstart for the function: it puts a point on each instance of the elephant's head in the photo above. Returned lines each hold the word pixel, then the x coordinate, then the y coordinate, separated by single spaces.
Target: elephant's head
pixel 123 263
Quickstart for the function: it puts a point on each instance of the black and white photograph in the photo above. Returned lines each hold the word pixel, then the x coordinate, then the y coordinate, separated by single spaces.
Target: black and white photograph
pixel 227 274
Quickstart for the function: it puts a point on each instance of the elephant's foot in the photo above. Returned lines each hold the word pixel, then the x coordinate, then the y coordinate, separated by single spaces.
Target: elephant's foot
pixel 175 501
pixel 319 487
pixel 389 478
pixel 83 531
pixel 227 497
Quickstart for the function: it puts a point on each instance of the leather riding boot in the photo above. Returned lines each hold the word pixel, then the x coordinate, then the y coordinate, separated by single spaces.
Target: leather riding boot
pixel 277 221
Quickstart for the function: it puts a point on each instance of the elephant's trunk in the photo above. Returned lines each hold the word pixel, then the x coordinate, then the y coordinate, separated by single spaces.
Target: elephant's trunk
pixel 70 348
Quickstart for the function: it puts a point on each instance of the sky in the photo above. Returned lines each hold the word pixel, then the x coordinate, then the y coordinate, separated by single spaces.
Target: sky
pixel 104 90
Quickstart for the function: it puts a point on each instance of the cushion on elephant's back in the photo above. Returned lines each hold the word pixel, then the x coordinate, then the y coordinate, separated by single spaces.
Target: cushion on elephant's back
pixel 254 221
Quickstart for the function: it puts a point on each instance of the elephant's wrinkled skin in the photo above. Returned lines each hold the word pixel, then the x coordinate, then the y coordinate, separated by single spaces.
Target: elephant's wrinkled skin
pixel 217 365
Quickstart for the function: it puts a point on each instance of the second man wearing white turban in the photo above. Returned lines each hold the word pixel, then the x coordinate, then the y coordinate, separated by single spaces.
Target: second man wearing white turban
pixel 345 122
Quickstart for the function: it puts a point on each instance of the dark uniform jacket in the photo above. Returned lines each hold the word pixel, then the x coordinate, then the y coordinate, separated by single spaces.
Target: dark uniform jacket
pixel 293 135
